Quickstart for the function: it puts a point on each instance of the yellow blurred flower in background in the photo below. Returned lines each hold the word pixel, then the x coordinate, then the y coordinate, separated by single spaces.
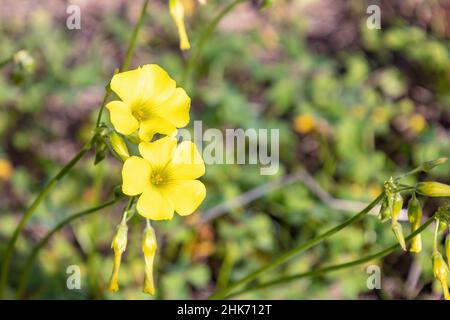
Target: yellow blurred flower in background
pixel 417 123
pixel 304 123
pixel 6 170
pixel 150 102
pixel 165 178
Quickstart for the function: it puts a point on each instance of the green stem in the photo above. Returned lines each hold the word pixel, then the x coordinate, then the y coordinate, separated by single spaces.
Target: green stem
pixel 321 271
pixel 102 106
pixel 128 56
pixel 6 261
pixel 295 251
pixel 435 239
pixel 34 253
pixel 6 62
pixel 133 40
pixel 204 36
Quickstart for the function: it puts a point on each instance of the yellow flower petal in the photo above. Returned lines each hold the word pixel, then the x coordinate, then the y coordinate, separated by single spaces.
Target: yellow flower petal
pixel 121 117
pixel 176 108
pixel 185 195
pixel 158 152
pixel 135 175
pixel 155 125
pixel 132 86
pixel 187 162
pixel 153 205
pixel 163 85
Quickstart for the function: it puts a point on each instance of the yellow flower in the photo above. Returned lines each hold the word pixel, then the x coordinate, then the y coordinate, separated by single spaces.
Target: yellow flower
pixel 151 102
pixel 176 9
pixel 417 123
pixel 304 123
pixel 6 169
pixel 165 178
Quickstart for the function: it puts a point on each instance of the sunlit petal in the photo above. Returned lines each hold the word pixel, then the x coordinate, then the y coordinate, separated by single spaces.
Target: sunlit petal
pixel 153 205
pixel 176 108
pixel 121 117
pixel 132 86
pixel 135 175
pixel 150 127
pixel 187 162
pixel 158 152
pixel 185 195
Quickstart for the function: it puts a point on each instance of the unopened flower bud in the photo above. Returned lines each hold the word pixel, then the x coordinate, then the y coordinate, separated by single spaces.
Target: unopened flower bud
pixel 440 271
pixel 149 246
pixel 427 166
pixel 398 231
pixel 433 189
pixel 397 205
pixel 177 12
pixel 119 245
pixel 415 218
pixel 385 211
pixel 119 146
pixel 24 66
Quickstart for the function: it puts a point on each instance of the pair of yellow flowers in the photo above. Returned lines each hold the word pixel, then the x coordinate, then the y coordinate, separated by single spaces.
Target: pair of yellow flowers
pixel 164 175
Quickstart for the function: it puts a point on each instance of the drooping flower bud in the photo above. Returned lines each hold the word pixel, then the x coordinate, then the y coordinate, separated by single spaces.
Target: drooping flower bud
pixel 385 211
pixel 440 271
pixel 415 218
pixel 398 231
pixel 397 206
pixel 119 245
pixel 433 189
pixel 427 166
pixel 149 246
pixel 119 146
pixel 177 12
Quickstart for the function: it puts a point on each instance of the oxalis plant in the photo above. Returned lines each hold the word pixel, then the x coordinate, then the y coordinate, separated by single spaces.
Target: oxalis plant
pixel 161 178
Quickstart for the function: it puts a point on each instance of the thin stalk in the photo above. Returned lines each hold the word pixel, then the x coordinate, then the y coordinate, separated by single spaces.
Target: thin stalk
pixel 204 36
pixel 321 271
pixel 435 239
pixel 6 261
pixel 34 253
pixel 297 250
pixel 133 40
pixel 128 56
pixel 102 106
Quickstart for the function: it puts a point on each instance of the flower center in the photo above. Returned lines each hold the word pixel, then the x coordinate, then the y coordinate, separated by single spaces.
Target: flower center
pixel 140 114
pixel 156 179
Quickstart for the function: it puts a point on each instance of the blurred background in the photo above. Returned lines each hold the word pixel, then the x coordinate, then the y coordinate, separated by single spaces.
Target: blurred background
pixel 354 106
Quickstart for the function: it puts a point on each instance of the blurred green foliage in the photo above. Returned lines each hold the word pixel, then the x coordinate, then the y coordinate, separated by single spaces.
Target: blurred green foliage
pixel 375 107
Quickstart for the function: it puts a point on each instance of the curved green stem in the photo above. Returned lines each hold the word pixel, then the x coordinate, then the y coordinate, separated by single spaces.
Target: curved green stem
pixel 295 251
pixel 127 59
pixel 133 39
pixel 336 267
pixel 204 36
pixel 32 257
pixel 6 261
